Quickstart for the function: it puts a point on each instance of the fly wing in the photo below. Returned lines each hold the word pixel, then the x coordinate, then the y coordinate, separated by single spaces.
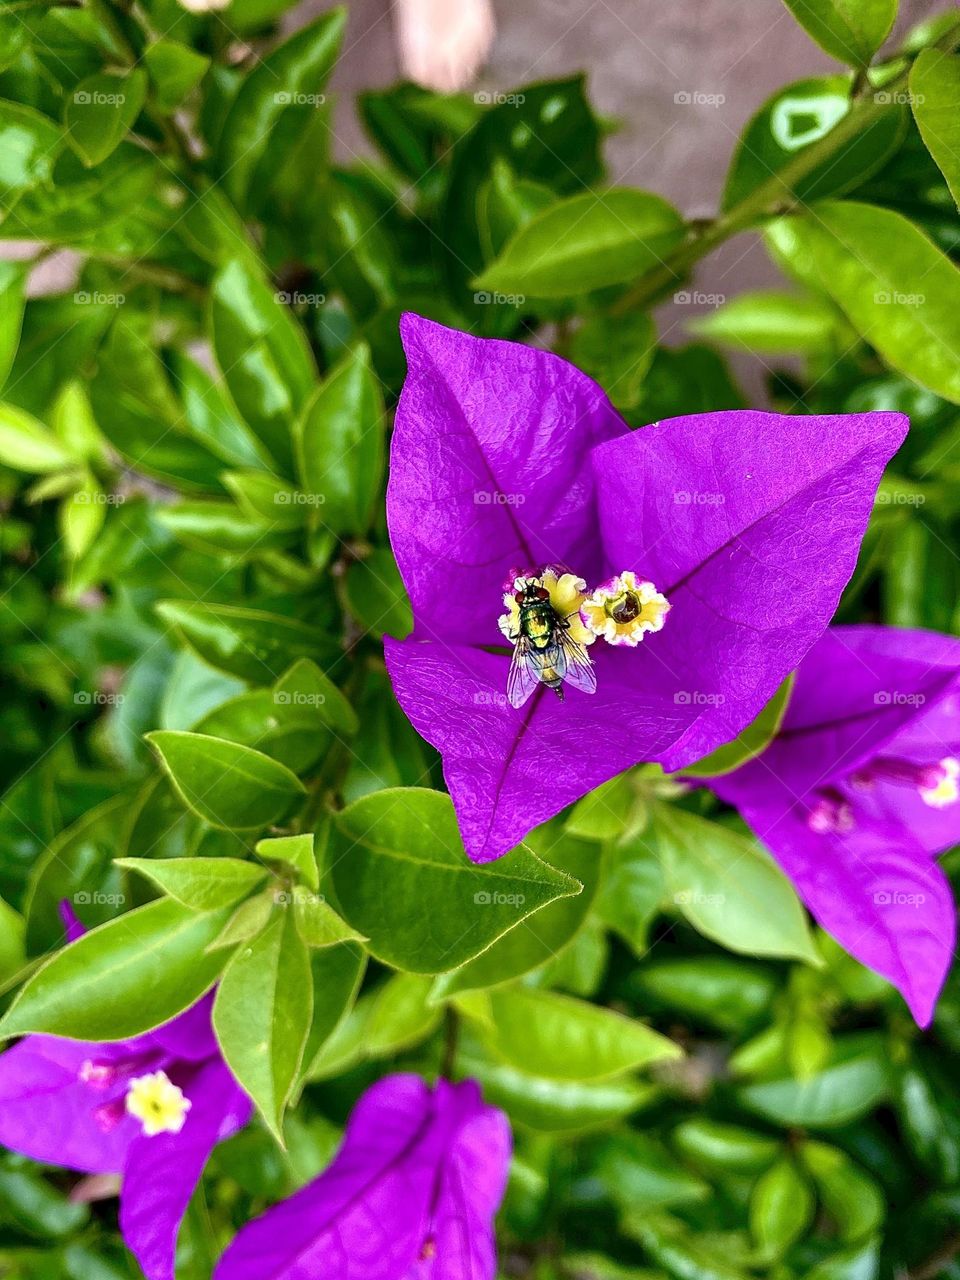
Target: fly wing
pixel 522 677
pixel 580 671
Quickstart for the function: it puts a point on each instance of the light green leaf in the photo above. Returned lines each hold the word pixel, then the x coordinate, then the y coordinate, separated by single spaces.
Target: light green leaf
pixel 318 923
pixel 399 1015
pixel 262 1015
pixel 756 737
pixel 403 862
pixel 897 289
pixel 81 516
pixel 261 496
pixel 718 1146
pixel 122 978
pixel 566 1039
pixel 849 30
pixel 772 322
pixel 29 145
pixel 617 353
pixel 27 445
pixel 851 1197
pixel 297 851
pixel 339 445
pixel 935 98
pixel 781 1208
pixel 376 597
pixel 12 279
pixel 337 974
pixel 586 242
pixel 12 936
pixel 729 887
pixel 202 884
pixel 851 1085
pixel 228 785
pixel 306 685
pixel 100 112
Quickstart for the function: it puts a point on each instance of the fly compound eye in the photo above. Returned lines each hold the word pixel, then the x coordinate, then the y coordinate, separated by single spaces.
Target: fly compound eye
pixel 543 593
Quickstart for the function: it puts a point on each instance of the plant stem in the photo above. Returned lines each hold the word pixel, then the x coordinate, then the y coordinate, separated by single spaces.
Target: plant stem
pixel 776 195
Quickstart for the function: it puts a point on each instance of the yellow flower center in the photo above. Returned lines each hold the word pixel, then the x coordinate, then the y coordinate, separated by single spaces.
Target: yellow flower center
pixel 157 1103
pixel 947 790
pixel 624 609
pixel 567 593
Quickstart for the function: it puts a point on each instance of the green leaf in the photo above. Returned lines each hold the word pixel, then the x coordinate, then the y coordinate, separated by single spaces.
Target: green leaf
pixel 641 1174
pixel 565 1039
pixel 263 497
pixel 680 1251
pixel 851 1197
pixel 101 111
pixel 729 887
pixel 262 1015
pixel 337 974
pixel 30 1204
pixel 400 1015
pixel 29 144
pixel 249 643
pixel 263 354
pixel 756 737
pixel 123 977
pixel 554 929
pixel 718 1146
pixel 27 445
pixel 262 125
pixel 228 785
pixel 585 242
pixel 306 685
pixel 781 1208
pixel 376 596
pixel 12 949
pixel 318 924
pixel 402 862
pixel 617 353
pixel 175 69
pixel 772 322
pixel 854 1082
pixel 297 852
pixel 849 30
pixel 897 289
pixel 798 116
pixel 935 98
pixel 339 444
pixel 202 884
pixel 12 279
pixel 717 990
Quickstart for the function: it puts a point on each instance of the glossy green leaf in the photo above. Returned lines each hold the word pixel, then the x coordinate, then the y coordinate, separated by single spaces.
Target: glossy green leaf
pixel 716 1145
pixel 123 977
pixel 263 355
pixel 851 1197
pixel 100 112
pixel 729 887
pixel 337 974
pixel 400 1015
pixel 262 124
pixel 642 1175
pixel 249 643
pixel 718 990
pixel 565 1039
pixel 935 98
pixel 849 30
pixel 584 243
pixel 12 280
pixel 895 286
pixel 296 851
pixel 317 922
pixel 798 116
pixel 226 784
pixel 202 884
pixel 339 442
pixel 530 945
pixel 398 860
pixel 262 1015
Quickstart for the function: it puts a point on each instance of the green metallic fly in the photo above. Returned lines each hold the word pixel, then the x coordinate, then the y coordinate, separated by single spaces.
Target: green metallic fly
pixel 544 652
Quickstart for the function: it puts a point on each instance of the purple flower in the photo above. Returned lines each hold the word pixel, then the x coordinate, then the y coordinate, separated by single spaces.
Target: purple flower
pixel 411 1195
pixel 859 791
pixel 518 496
pixel 151 1109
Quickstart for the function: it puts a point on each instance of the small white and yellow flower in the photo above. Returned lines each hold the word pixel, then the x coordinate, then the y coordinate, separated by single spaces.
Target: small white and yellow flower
pixel 567 594
pixel 947 790
pixel 624 609
pixel 157 1103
